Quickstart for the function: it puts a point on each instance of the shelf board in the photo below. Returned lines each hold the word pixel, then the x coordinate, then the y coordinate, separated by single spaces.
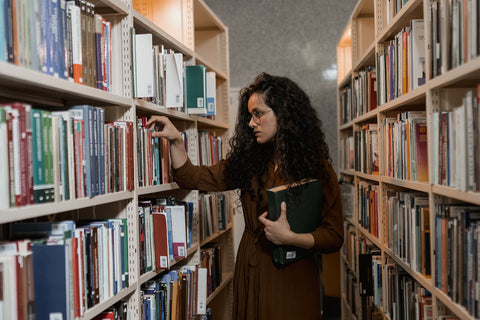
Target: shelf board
pixel 346 79
pixel 367 59
pixel 349 172
pixel 36 87
pixel 414 185
pixel 152 108
pixel 211 66
pixel 457 309
pixel 157 188
pixel 347 265
pixel 369 236
pixel 364 8
pixel 153 273
pixel 466 196
pixel 205 19
pixel 160 36
pixel 108 7
pixel 346 126
pixel 413 9
pixel 371 177
pixel 227 277
pixel 43 209
pixel 466 75
pixel 412 98
pixel 102 306
pixel 216 235
pixel 420 278
pixel 365 117
pixel 208 123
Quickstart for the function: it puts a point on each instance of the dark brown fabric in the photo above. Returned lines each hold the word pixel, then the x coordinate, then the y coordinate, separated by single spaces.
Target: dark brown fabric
pixel 263 291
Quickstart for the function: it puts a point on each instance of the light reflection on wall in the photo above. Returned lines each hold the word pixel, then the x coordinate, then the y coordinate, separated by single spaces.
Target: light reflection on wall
pixel 330 73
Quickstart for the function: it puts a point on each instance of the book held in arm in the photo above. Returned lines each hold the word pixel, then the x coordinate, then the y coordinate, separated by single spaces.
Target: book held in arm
pixel 303 214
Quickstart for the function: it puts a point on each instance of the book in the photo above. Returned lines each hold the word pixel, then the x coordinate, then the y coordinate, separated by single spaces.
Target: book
pixel 195 89
pixel 303 214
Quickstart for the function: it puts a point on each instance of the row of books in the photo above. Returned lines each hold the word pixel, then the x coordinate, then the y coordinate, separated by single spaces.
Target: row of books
pixel 90 265
pixel 455 26
pixel 367 210
pixel 392 7
pixel 66 39
pixel 405 146
pixel 367 158
pixel 407 229
pixel 153 157
pixel 347 153
pixel 405 297
pixel 350 292
pixel 210 148
pixel 364 93
pixel 349 249
pixel 211 259
pixel 176 294
pixel 457 252
pixel 455 137
pixel 213 211
pixel 117 312
pixel 62 155
pixel 166 232
pixel 162 77
pixel 401 63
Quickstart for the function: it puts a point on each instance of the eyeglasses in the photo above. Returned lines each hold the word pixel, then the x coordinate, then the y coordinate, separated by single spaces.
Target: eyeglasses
pixel 258 115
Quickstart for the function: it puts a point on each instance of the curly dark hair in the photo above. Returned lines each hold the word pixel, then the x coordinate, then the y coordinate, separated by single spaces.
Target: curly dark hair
pixel 299 144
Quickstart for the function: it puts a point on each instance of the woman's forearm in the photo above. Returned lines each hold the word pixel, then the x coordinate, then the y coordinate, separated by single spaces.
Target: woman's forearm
pixel 178 153
pixel 302 240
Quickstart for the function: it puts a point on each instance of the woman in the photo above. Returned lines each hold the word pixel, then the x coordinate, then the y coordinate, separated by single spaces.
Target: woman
pixel 277 140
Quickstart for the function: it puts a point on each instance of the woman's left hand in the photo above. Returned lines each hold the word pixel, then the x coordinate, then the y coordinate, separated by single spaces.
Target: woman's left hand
pixel 278 231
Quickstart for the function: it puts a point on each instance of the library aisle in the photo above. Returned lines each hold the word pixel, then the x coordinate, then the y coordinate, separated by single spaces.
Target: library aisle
pixel 409 159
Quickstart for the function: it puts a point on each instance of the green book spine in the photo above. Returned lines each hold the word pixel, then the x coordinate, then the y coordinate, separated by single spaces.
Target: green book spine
pixel 195 94
pixel 47 154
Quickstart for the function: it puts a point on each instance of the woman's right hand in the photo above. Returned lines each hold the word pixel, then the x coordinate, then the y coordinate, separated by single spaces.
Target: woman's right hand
pixel 164 128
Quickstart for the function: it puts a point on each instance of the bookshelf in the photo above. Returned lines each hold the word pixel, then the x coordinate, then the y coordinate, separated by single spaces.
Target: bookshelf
pixel 188 27
pixel 404 216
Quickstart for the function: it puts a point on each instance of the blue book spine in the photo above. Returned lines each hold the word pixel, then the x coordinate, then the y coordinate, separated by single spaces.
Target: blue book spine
pixel 210 106
pixel 62 40
pixel 3 31
pixel 50 274
pixel 54 39
pixel 169 232
pixel 9 31
pixel 45 59
pixel 35 33
pixel 113 268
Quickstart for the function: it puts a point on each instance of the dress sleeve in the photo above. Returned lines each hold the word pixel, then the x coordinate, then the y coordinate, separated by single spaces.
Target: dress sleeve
pixel 203 178
pixel 329 235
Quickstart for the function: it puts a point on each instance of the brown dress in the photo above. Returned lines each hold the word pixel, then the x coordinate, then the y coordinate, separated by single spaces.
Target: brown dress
pixel 261 290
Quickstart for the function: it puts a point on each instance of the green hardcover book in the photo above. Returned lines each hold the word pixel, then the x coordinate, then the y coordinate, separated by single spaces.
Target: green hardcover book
pixel 195 89
pixel 303 215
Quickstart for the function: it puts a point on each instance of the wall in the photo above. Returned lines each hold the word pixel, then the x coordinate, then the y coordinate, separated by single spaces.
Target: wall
pixel 296 39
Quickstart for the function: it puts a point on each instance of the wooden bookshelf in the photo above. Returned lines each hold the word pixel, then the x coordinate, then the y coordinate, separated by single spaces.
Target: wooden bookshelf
pixel 442 92
pixel 189 27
